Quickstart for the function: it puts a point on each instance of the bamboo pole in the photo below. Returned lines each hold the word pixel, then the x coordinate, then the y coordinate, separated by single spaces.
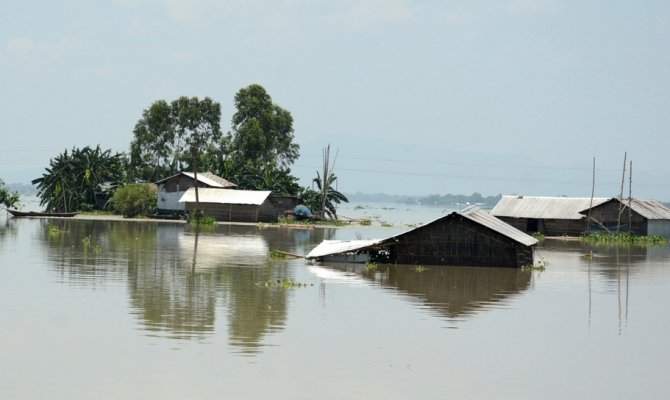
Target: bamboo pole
pixel 593 190
pixel 623 178
pixel 630 197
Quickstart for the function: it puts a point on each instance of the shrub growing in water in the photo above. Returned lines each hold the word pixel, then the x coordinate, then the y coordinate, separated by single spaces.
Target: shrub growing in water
pixel 135 199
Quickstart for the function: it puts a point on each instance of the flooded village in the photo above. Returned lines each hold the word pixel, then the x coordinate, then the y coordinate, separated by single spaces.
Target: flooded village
pixel 379 303
pixel 198 277
pixel 342 200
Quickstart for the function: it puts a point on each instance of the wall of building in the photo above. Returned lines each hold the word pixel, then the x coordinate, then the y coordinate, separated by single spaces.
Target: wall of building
pixel 169 201
pixel 548 227
pixel 229 212
pixel 607 214
pixel 659 227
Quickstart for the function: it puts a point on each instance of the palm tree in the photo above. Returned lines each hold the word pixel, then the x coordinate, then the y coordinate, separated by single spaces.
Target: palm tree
pixel 75 180
pixel 328 199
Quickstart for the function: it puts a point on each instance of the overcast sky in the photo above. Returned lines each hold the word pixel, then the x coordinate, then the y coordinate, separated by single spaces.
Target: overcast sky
pixel 419 97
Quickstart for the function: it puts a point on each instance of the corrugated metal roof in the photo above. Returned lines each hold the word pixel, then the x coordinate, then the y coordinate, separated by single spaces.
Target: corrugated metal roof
pixel 544 207
pixel 207 178
pixel 476 215
pixel 226 196
pixel 649 209
pixel 331 247
pixel 226 184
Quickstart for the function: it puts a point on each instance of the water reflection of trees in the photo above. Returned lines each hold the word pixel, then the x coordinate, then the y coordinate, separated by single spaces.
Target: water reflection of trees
pixel 254 310
pixel 451 291
pixel 84 252
pixel 8 229
pixel 176 278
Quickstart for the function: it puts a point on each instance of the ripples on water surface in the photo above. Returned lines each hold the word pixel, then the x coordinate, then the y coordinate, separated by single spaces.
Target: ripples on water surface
pixel 142 310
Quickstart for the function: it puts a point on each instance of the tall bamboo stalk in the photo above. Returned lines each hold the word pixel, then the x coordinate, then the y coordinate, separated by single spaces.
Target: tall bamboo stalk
pixel 623 178
pixel 630 197
pixel 593 190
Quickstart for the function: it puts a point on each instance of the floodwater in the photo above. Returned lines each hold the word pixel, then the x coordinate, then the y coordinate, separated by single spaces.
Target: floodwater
pixel 143 310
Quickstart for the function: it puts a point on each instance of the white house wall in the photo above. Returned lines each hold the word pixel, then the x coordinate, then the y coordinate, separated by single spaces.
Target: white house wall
pixel 169 201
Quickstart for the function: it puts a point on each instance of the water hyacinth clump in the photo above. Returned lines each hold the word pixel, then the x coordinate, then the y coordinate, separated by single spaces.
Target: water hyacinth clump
pixel 624 239
pixel 285 283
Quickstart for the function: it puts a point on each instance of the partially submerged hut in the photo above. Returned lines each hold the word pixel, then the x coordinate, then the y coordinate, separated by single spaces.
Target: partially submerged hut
pixel 551 216
pixel 643 217
pixel 238 205
pixel 171 189
pixel 467 238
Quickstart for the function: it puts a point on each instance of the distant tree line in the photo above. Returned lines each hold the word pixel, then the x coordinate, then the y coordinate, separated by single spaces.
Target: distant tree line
pixel 437 199
pixel 8 198
pixel 185 135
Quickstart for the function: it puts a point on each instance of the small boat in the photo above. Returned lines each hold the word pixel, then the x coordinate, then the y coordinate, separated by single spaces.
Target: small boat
pixel 18 213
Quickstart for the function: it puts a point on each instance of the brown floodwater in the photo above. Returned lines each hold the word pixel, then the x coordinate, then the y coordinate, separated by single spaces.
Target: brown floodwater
pixel 144 310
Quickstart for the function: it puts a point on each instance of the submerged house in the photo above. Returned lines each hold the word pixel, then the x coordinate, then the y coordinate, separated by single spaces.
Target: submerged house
pixel 171 189
pixel 467 238
pixel 639 217
pixel 238 205
pixel 551 216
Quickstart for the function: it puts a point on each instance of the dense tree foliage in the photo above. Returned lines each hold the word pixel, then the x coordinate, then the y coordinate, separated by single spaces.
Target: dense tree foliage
pixel 135 199
pixel 185 134
pixel 260 148
pixel 269 177
pixel 171 137
pixel 80 179
pixel 8 199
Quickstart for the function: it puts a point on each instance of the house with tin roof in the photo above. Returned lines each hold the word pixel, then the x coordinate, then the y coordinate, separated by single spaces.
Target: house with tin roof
pixel 463 238
pixel 639 217
pixel 232 205
pixel 171 189
pixel 551 216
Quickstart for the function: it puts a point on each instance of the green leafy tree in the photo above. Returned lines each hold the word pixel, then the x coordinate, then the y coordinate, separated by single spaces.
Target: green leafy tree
pixel 173 136
pixel 261 143
pixel 279 180
pixel 155 148
pixel 76 180
pixel 197 123
pixel 8 199
pixel 135 199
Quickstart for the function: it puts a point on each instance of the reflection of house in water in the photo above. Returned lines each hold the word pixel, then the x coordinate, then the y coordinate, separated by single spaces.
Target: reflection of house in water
pixel 451 291
pixel 215 250
pixel 167 295
pixel 174 295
